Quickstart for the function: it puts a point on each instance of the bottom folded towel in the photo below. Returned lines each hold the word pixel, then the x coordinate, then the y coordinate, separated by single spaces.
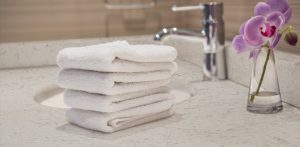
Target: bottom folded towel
pixel 111 122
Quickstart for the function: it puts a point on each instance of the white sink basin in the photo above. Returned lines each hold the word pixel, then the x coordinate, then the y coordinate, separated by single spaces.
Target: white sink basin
pixel 51 96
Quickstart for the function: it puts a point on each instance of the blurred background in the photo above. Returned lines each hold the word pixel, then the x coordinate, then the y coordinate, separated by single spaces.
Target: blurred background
pixel 34 20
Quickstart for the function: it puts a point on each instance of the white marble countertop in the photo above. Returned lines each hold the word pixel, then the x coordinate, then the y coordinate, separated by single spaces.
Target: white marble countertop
pixel 215 116
pixel 43 53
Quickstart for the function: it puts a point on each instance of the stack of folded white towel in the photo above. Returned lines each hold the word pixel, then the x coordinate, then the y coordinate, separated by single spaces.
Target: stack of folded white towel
pixel 114 86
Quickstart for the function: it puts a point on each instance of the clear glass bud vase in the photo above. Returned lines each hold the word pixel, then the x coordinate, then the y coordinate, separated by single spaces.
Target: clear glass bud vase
pixel 264 92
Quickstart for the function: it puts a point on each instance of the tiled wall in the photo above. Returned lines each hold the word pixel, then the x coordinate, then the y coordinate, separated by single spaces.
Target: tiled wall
pixel 25 20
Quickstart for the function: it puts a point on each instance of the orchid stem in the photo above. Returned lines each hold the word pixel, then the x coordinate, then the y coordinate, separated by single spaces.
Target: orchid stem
pixel 289 28
pixel 262 76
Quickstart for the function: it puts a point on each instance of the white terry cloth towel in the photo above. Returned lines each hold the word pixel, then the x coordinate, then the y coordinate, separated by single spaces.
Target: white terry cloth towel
pixel 118 56
pixel 103 103
pixel 111 83
pixel 120 66
pixel 111 122
pixel 109 78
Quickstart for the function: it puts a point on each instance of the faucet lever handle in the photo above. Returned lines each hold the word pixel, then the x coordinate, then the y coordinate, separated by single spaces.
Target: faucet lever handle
pixel 188 8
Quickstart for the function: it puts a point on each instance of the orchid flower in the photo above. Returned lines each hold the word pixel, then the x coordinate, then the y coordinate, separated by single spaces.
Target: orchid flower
pixel 263 29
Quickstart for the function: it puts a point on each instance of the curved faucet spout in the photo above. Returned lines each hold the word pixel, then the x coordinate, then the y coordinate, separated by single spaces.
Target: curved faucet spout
pixel 173 30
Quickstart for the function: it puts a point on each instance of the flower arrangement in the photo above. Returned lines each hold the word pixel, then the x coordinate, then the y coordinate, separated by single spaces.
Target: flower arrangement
pixel 264 30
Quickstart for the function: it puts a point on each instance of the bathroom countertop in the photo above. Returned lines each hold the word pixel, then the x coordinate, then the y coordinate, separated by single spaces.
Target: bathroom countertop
pixel 216 116
pixel 20 54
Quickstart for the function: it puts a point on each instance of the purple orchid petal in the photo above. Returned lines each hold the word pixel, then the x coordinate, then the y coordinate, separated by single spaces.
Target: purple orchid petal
pixel 252 30
pixel 288 15
pixel 276 18
pixel 239 44
pixel 262 8
pixel 279 5
pixel 275 41
pixel 242 28
pixel 254 53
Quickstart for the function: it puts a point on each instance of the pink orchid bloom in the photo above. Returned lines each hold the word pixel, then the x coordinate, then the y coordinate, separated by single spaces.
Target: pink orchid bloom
pixel 263 28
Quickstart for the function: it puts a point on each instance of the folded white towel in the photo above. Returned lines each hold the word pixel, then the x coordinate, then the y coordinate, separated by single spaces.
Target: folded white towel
pixel 110 83
pixel 103 103
pixel 118 57
pixel 111 122
pixel 121 66
pixel 109 78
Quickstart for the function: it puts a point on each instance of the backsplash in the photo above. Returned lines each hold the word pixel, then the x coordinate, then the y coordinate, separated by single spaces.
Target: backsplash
pixel 20 54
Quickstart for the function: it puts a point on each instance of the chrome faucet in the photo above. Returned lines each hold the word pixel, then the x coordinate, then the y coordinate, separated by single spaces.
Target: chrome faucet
pixel 214 64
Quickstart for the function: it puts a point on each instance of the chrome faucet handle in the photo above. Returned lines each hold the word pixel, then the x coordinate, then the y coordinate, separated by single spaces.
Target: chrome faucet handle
pixel 188 8
pixel 212 11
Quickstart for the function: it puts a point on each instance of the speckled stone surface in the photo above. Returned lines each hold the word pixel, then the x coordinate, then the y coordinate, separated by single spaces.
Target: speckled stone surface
pixel 43 53
pixel 215 117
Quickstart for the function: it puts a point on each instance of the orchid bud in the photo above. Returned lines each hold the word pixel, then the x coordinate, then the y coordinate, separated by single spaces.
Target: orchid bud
pixel 291 38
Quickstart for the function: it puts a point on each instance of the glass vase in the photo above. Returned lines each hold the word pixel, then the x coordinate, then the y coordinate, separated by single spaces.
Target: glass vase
pixel 264 93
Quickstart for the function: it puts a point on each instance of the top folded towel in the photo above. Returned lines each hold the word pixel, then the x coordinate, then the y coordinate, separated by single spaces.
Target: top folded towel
pixel 104 54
